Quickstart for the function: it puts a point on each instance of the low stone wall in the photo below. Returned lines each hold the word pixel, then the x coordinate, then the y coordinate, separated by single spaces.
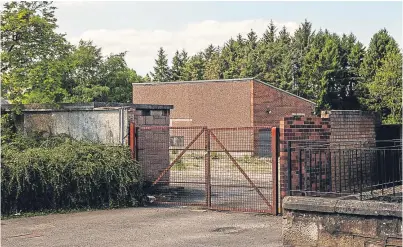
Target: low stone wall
pixel 310 221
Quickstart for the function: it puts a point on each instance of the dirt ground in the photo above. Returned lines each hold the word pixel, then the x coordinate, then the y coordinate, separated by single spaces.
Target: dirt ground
pixel 147 226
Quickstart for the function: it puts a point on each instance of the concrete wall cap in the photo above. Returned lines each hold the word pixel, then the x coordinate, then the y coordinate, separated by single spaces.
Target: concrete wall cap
pixel 334 205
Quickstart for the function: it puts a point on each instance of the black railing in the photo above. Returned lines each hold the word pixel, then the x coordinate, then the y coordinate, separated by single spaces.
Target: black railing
pixel 364 169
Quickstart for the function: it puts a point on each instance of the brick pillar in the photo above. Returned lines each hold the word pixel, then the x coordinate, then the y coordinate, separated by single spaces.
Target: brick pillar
pixel 152 147
pixel 298 128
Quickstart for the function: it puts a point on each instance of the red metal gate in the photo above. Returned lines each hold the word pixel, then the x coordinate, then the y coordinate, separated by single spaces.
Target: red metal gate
pixel 216 168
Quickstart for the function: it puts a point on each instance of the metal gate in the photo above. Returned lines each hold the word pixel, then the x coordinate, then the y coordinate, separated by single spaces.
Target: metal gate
pixel 216 168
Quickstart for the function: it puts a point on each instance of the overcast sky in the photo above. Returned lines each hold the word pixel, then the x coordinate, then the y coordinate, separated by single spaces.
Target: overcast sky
pixel 142 27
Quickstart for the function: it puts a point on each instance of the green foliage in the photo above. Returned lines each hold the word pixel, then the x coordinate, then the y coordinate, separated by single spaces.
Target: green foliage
pixel 385 91
pixel 32 53
pixel 381 71
pixel 162 72
pixel 60 173
pixel 38 65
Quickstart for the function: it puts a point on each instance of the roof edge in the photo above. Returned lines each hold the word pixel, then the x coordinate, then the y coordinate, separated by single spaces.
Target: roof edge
pixel 197 81
pixel 279 89
pixel 91 106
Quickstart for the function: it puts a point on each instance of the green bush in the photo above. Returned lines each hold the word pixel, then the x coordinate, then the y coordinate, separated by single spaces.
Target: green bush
pixel 58 173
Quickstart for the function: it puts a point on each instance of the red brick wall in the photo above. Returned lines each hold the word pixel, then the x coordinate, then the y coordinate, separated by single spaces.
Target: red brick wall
pixel 152 142
pixel 345 130
pixel 353 127
pixel 293 129
pixel 279 103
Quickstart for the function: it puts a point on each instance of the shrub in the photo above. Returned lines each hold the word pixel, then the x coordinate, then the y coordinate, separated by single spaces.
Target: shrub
pixel 59 173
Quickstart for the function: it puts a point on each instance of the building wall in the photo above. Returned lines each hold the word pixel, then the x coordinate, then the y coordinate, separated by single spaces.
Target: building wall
pixel 212 104
pixel 279 103
pixel 106 126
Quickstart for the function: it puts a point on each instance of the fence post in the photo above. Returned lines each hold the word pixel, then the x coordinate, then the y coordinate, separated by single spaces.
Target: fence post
pixel 207 167
pixel 274 169
pixel 132 140
pixel 289 168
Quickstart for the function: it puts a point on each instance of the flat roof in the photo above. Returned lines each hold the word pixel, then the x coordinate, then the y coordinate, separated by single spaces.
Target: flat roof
pixel 84 107
pixel 220 81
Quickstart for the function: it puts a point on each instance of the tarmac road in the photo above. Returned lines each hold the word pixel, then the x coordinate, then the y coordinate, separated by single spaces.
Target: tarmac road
pixel 146 226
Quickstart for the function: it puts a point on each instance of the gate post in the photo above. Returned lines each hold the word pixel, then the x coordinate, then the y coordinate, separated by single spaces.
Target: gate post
pixel 207 167
pixel 132 139
pixel 274 170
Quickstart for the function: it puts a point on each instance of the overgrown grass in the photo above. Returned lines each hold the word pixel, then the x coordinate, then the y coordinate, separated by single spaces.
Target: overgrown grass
pixel 59 173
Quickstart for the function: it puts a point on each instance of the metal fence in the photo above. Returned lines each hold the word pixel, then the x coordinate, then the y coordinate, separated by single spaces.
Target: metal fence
pixel 363 169
pixel 217 168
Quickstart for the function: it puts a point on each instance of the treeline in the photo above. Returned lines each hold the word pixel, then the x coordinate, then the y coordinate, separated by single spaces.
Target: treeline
pixel 336 71
pixel 38 65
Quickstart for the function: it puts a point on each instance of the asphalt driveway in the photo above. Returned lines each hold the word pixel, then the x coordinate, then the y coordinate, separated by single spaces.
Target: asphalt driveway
pixel 149 226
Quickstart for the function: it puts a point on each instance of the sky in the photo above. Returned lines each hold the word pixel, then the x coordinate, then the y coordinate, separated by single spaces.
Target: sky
pixel 140 28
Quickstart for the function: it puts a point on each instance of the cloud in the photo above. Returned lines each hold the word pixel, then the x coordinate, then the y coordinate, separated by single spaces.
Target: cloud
pixel 142 45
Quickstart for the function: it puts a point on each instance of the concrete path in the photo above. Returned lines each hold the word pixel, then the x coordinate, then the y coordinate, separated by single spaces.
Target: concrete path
pixel 168 227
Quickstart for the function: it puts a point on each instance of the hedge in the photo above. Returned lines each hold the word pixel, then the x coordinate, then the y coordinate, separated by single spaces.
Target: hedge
pixel 59 173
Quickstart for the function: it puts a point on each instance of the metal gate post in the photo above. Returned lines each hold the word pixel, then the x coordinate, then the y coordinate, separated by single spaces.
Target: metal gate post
pixel 132 139
pixel 207 167
pixel 274 169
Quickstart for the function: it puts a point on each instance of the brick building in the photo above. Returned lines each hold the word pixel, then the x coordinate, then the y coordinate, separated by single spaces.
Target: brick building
pixel 222 103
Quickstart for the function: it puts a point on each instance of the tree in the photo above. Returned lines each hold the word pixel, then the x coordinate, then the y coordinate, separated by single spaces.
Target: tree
pixel 213 68
pixel 32 57
pixel 351 55
pixel 208 52
pixel 284 36
pixel 84 82
pixel 178 65
pixel 118 78
pixel 194 68
pixel 299 47
pixel 382 45
pixel 162 72
pixel 385 90
pixel 147 78
pixel 270 34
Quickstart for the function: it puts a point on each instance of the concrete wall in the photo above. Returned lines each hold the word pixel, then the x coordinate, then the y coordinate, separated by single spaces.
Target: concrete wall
pixel 103 126
pixel 325 222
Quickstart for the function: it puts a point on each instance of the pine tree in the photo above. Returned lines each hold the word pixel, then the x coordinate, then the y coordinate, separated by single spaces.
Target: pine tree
pixel 252 40
pixel 208 52
pixel 299 47
pixel 213 69
pixel 194 68
pixel 270 34
pixel 162 71
pixel 176 67
pixel 284 36
pixel 147 78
